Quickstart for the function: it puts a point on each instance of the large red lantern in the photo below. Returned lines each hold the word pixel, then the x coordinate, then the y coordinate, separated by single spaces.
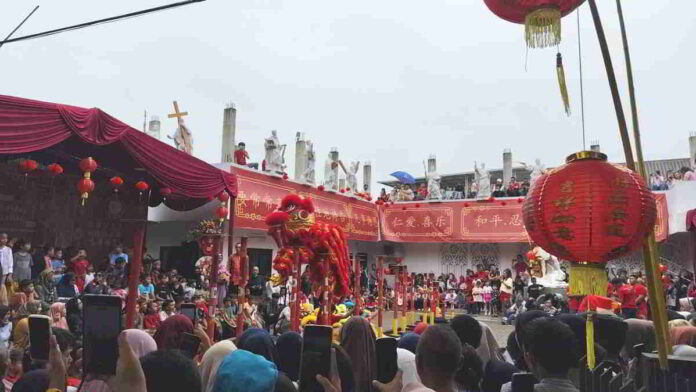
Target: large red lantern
pixel 221 212
pixel 223 196
pixel 589 211
pixel 87 165
pixel 141 186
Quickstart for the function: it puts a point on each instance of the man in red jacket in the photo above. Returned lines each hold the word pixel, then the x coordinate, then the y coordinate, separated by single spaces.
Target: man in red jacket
pixel 628 296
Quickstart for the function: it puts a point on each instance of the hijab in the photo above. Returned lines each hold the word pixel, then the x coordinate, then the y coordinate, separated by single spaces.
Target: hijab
pixel 170 332
pixel 259 342
pixel 74 316
pixel 639 331
pixel 683 350
pixel 289 346
pixel 211 362
pixel 140 341
pixel 242 371
pixel 58 315
pixel 684 335
pixel 406 360
pixel 65 288
pixel 33 381
pixel 409 342
pixel 358 340
pixel 20 336
pixel 46 280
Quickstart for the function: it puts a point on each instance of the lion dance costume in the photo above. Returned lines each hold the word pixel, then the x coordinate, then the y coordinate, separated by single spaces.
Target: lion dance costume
pixel 321 246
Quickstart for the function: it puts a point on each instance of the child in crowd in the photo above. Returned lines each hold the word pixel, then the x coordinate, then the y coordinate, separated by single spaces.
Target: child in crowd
pixel 487 297
pixel 146 289
pixel 478 297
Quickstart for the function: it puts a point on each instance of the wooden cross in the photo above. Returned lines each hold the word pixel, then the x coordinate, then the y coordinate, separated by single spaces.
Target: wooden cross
pixel 177 113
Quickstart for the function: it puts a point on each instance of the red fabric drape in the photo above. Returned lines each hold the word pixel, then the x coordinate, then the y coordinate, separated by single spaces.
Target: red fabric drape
pixel 29 126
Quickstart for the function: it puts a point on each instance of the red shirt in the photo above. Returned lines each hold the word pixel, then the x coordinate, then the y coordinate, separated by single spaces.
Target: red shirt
pixel 643 306
pixel 240 157
pixel 152 321
pixel 628 296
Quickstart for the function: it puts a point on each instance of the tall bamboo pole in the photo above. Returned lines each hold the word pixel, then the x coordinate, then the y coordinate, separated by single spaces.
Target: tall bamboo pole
pixel 650 254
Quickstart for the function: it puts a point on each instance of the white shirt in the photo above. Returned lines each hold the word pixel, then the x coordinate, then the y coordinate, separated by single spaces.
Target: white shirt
pixel 547 385
pixel 5 332
pixel 6 261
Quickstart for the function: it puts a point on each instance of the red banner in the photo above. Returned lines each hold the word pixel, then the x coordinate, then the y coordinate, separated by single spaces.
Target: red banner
pixel 258 194
pixel 497 221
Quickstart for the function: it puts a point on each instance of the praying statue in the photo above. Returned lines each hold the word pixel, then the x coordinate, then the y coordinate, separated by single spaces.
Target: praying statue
pixel 183 139
pixel 275 154
pixel 308 173
pixel 434 191
pixel 352 176
pixel 537 169
pixel 483 179
pixel 331 173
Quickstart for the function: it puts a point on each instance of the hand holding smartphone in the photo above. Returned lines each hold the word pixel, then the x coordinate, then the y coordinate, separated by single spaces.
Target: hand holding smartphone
pixel 101 326
pixel 189 310
pixel 387 364
pixel 523 382
pixel 39 337
pixel 316 357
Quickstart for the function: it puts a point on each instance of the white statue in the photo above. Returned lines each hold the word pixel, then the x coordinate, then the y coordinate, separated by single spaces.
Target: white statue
pixel 537 169
pixel 352 178
pixel 308 174
pixel 483 179
pixel 183 139
pixel 549 268
pixel 275 154
pixel 434 191
pixel 331 173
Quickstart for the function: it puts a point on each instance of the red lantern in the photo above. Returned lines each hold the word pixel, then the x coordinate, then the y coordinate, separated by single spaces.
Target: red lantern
pixel 223 196
pixel 55 169
pixel 417 205
pixel 342 190
pixel 285 176
pixel 165 192
pixel 663 268
pixel 84 187
pixel 520 200
pixel 221 212
pixel 502 203
pixel 28 165
pixel 403 208
pixel 321 187
pixel 348 189
pixel 541 18
pixel 142 186
pixel 589 211
pixel 116 182
pixel 88 165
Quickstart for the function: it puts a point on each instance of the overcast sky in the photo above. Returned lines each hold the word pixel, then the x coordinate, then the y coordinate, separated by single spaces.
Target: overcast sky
pixel 390 81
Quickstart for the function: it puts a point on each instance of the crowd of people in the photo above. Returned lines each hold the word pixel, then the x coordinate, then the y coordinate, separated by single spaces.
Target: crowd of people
pixel 419 191
pixel 663 182
pixel 457 355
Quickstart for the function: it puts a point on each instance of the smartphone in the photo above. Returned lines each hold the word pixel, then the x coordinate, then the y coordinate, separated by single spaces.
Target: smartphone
pixel 101 325
pixel 523 382
pixel 189 310
pixel 189 344
pixel 39 337
pixel 386 359
pixel 316 357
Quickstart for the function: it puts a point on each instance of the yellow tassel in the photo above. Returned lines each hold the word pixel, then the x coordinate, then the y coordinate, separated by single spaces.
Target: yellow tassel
pixel 588 278
pixel 562 83
pixel 589 338
pixel 542 28
pixel 395 326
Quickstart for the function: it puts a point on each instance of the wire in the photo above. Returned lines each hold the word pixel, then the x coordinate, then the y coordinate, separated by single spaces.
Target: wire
pixel 582 98
pixel 19 25
pixel 99 21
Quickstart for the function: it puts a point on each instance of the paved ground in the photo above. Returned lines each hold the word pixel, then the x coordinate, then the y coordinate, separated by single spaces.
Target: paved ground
pixel 499 330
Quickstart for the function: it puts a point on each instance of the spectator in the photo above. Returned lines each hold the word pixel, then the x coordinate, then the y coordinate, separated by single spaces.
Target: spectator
pixel 688 174
pixel 257 283
pixel 5 327
pixel 67 287
pixel 358 340
pixel 22 262
pixel 97 286
pixel 117 253
pixel 422 193
pixel 46 289
pixel 534 289
pixel 58 264
pixel 513 188
pixel 146 289
pixel 211 362
pixel 170 371
pixel 549 350
pixel 289 346
pixel 240 154
pixel 79 265
pixel 628 296
pixel 383 195
pixel 73 309
pixel 242 371
pixel 6 264
pixel 58 314
pixel 498 188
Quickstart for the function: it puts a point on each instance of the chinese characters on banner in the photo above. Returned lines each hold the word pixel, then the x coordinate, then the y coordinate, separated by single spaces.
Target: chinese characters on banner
pixel 259 194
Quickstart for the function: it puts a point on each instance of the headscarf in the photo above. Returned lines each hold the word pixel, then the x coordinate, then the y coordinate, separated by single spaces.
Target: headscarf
pixel 684 335
pixel 610 333
pixel 58 315
pixel 64 288
pixel 409 342
pixel 488 347
pixel 683 350
pixel 140 341
pixel 289 346
pixel 358 339
pixel 420 328
pixel 639 331
pixel 20 336
pixel 45 280
pixel 211 361
pixel 170 332
pixel 259 342
pixel 74 316
pixel 242 371
pixel 33 381
pixel 495 374
pixel 406 360
pixel 678 323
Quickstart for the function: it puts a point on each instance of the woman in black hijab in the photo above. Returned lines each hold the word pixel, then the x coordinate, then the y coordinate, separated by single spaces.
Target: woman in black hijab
pixel 289 346
pixel 74 316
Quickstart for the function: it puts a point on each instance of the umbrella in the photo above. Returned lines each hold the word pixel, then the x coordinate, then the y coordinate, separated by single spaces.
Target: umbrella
pixel 404 177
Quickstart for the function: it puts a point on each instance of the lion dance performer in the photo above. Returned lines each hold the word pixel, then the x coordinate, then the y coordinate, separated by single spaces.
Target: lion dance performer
pixel 321 246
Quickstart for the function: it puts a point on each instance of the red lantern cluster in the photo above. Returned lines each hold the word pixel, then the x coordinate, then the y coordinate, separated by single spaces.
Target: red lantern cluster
pixel 223 196
pixel 85 186
pixel 28 165
pixel 55 169
pixel 222 212
pixel 589 210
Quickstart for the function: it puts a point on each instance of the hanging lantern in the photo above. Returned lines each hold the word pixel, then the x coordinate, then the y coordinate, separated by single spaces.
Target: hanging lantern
pixel 116 182
pixel 588 212
pixel 165 192
pixel 223 196
pixel 28 166
pixel 221 212
pixel 142 186
pixel 87 165
pixel 55 169
pixel 321 188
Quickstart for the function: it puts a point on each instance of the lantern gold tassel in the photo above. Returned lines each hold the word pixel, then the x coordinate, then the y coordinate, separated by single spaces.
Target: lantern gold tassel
pixel 588 279
pixel 542 28
pixel 562 83
pixel 589 341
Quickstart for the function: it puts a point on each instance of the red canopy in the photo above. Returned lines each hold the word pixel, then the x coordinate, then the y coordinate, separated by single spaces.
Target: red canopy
pixel 50 132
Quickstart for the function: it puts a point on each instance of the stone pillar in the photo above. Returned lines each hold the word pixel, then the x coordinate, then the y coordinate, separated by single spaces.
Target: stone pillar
pixel 367 176
pixel 229 126
pixel 432 163
pixel 507 167
pixel 300 156
pixel 153 128
pixel 692 150
pixel 342 183
pixel 336 170
pixel 594 146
